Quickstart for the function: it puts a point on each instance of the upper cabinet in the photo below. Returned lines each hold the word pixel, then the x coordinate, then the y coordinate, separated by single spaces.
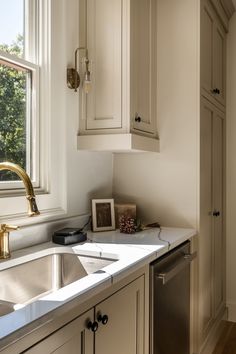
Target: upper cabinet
pixel 213 55
pixel 120 111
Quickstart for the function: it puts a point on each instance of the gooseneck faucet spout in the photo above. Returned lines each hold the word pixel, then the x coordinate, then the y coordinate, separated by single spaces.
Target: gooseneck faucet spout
pixel 30 196
pixel 32 206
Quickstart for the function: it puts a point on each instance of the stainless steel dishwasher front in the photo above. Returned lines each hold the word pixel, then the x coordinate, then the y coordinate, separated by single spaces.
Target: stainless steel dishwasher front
pixel 170 302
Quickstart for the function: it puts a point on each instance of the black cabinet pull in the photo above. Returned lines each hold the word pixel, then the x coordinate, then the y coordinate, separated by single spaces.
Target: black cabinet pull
pixel 216 213
pixel 137 118
pixel 216 91
pixel 93 326
pixel 103 319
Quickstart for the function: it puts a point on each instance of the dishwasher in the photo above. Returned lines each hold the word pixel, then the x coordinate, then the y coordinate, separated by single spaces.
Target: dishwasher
pixel 170 302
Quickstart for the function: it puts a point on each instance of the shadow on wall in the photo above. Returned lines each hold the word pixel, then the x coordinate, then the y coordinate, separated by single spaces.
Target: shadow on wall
pixel 165 213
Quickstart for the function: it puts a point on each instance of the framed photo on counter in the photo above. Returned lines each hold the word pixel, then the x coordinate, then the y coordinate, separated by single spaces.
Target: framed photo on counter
pixel 103 215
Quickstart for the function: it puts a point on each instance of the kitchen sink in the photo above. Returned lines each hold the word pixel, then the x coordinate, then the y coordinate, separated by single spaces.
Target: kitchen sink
pixel 28 281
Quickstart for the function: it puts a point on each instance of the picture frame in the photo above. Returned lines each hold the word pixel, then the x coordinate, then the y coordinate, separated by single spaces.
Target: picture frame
pixel 103 215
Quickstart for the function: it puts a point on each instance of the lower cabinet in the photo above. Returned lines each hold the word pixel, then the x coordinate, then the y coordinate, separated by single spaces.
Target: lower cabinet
pixel 124 331
pixel 115 325
pixel 74 338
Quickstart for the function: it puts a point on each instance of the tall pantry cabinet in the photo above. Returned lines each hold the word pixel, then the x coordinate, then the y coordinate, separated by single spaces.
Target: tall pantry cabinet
pixel 192 62
pixel 212 301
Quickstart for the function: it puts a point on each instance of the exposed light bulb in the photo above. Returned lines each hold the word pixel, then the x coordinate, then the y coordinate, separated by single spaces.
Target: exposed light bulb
pixel 87 82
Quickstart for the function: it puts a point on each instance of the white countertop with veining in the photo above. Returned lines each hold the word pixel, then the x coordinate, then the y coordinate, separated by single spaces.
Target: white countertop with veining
pixel 130 252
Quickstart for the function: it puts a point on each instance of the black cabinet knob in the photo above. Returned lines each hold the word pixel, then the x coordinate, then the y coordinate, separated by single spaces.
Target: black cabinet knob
pixel 137 119
pixel 103 319
pixel 216 213
pixel 93 326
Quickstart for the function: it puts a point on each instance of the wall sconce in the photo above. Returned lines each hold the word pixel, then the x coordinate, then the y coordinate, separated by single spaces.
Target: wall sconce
pixel 73 78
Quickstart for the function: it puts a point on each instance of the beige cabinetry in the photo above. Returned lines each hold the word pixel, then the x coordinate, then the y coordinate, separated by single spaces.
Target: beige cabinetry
pixel 124 332
pixel 213 54
pixel 143 66
pixel 122 46
pixel 103 36
pixel 115 325
pixel 212 158
pixel 212 238
pixel 74 338
pixel 191 64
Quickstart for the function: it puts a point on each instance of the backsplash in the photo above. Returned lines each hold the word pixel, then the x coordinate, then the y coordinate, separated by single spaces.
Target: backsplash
pixel 35 234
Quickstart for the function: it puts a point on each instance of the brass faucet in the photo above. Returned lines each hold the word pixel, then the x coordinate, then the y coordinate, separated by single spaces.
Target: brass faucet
pixel 32 206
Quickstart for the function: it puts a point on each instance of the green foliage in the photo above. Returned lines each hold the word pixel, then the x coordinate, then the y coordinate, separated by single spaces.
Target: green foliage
pixel 12 112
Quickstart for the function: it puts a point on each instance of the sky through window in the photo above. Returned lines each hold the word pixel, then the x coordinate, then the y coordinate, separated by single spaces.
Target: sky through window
pixel 11 20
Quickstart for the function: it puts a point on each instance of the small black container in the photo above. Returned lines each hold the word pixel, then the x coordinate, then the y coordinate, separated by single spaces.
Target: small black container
pixel 69 236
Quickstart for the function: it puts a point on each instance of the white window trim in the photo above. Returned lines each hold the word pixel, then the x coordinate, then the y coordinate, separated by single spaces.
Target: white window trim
pixel 52 196
pixel 32 29
pixel 40 97
pixel 44 62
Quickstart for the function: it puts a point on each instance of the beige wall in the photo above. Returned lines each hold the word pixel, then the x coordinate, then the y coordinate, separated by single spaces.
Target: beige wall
pixel 231 170
pixel 164 185
pixel 86 174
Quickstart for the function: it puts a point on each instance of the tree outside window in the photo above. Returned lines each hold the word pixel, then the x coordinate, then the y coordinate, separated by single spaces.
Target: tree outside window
pixel 19 89
pixel 13 98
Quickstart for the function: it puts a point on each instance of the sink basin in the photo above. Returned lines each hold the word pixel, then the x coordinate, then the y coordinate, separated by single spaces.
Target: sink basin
pixel 31 280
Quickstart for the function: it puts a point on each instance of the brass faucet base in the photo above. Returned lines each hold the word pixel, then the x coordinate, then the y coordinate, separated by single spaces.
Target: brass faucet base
pixel 4 241
pixel 5 256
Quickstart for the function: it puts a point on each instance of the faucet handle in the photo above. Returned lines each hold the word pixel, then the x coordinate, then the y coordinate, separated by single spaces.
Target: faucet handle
pixel 4 240
pixel 8 228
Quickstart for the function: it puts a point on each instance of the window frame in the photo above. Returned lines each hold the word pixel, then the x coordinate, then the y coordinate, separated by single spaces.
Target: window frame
pixel 32 52
pixel 53 95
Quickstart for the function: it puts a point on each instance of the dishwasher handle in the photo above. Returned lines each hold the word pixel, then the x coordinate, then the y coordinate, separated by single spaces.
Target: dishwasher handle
pixel 173 271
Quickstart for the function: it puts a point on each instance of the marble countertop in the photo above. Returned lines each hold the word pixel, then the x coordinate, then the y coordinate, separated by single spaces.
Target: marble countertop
pixel 130 252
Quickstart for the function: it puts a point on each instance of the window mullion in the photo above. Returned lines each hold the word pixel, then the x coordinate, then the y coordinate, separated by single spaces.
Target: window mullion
pixel 31 29
pixel 28 127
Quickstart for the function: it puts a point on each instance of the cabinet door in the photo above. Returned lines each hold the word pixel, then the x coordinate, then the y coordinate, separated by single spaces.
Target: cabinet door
pixel 124 331
pixel 218 231
pixel 143 59
pixel 212 240
pixel 207 34
pixel 213 52
pixel 101 32
pixel 206 256
pixel 74 338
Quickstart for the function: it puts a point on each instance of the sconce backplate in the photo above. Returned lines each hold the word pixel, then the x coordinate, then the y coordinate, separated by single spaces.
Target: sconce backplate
pixel 71 79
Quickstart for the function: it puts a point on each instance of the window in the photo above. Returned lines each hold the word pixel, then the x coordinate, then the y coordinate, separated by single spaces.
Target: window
pixel 19 88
